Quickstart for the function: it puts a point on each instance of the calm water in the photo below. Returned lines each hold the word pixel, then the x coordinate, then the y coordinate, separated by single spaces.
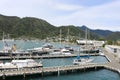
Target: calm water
pixel 24 45
pixel 65 61
pixel 68 61
pixel 102 74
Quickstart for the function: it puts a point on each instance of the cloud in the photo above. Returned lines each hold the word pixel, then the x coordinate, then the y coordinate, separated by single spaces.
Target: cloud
pixel 67 7
pixel 103 16
pixel 57 12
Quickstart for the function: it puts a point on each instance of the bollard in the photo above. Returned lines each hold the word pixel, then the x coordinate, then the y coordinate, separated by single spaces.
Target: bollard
pixel 84 69
pixel 24 75
pixel 58 71
pixel 42 71
pixel 95 68
pixel 3 76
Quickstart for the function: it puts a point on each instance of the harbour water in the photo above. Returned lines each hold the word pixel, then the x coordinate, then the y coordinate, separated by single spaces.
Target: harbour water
pixel 24 45
pixel 68 61
pixel 102 74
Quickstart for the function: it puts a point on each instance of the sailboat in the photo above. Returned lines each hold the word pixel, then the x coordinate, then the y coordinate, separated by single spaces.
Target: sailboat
pixel 86 58
pixel 80 60
pixel 9 48
pixel 87 45
pixel 68 47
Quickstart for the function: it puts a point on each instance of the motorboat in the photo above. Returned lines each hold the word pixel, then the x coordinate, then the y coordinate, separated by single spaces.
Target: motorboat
pixel 45 49
pixel 48 46
pixel 38 51
pixel 16 64
pixel 55 52
pixel 65 52
pixel 89 49
pixel 27 63
pixel 69 48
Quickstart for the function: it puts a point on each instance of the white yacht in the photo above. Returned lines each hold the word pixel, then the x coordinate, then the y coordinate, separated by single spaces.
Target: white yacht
pixel 65 52
pixel 41 50
pixel 26 63
pixel 14 64
pixel 79 60
pixel 56 52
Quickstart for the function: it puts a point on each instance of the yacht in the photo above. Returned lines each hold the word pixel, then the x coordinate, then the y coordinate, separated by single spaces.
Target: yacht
pixel 11 50
pixel 69 48
pixel 15 64
pixel 65 52
pixel 80 60
pixel 27 63
pixel 84 60
pixel 56 52
pixel 45 49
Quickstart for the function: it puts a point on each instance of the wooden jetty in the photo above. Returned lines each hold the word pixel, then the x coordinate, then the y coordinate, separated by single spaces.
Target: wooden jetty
pixel 113 64
pixel 43 56
pixel 42 70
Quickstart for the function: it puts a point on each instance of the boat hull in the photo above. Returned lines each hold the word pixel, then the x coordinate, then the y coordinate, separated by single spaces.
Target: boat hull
pixel 82 61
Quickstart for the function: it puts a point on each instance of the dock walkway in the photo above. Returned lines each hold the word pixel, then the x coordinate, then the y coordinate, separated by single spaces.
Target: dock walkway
pixel 40 70
pixel 113 64
pixel 43 56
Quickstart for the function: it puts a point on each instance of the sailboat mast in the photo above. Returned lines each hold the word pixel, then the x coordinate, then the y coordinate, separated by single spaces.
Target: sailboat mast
pixel 88 34
pixel 86 38
pixel 60 35
pixel 3 37
pixel 68 35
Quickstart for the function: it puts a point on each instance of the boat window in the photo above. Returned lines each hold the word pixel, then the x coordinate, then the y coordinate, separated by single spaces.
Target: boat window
pixel 56 50
pixel 79 60
pixel 65 51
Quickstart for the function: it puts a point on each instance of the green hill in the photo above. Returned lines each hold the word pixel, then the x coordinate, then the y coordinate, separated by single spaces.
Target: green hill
pixel 114 36
pixel 30 27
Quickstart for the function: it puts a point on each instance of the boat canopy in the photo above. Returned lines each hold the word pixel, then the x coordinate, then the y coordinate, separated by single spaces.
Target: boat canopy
pixel 86 56
pixel 78 57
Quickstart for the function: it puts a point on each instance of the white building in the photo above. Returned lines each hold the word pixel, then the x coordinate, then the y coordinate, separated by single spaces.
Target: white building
pixel 91 42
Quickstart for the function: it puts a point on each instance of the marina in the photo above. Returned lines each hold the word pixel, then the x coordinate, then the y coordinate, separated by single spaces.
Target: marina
pixel 59 40
pixel 112 65
pixel 58 68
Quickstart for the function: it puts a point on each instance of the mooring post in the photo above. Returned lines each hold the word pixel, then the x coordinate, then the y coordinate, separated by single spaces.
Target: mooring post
pixel 72 70
pixel 42 71
pixel 95 67
pixel 24 74
pixel 84 69
pixel 3 75
pixel 58 71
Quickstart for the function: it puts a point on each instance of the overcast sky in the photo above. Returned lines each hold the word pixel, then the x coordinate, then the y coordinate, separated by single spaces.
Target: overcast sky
pixel 96 14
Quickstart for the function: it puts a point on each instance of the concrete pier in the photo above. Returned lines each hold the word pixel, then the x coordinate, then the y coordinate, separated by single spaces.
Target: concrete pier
pixel 114 62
